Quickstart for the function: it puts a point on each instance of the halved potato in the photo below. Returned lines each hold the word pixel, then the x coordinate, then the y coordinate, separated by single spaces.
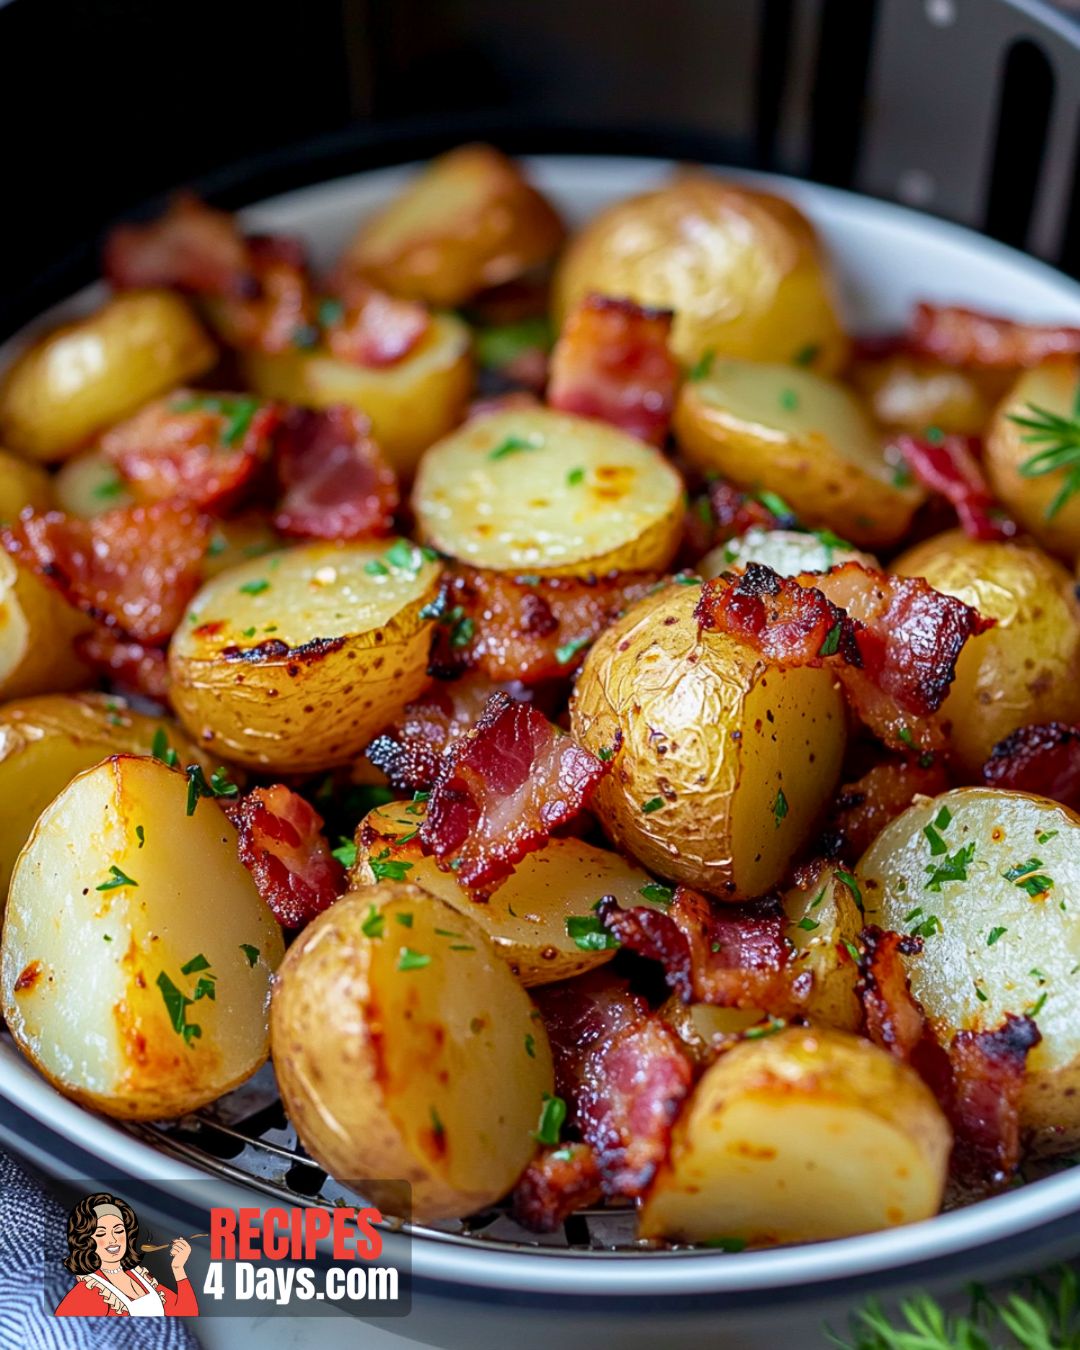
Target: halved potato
pixel 468 221
pixel 88 484
pixel 238 540
pixel 802 1135
pixel 22 484
pixel 411 403
pixel 294 661
pixel 526 918
pixel 912 395
pixel 723 762
pixel 822 918
pixel 137 953
pixel 801 435
pixel 46 741
pixel 90 373
pixel 549 493
pixel 787 552
pixel 1002 937
pixel 37 631
pixel 405 1049
pixel 1034 501
pixel 742 270
pixel 1026 669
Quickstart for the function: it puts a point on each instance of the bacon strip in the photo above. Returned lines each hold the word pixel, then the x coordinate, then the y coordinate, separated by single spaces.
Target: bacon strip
pixel 893 641
pixel 507 628
pixel 863 808
pixel 132 569
pixel 966 337
pixel 281 844
pixel 948 466
pixel 278 313
pixel 734 956
pixel 335 482
pixel 204 448
pixel 129 665
pixel 501 790
pixel 555 1184
pixel 191 247
pixel 374 329
pixel 612 362
pixel 988 1070
pixel 1040 759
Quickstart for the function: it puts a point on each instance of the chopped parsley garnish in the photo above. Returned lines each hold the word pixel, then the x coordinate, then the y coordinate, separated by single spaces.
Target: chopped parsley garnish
pixel 831 645
pixel 552 1116
pixel 726 1244
pixel 330 312
pixel 808 923
pixel 408 838
pixel 994 934
pixel 604 754
pixel 345 852
pixel 410 960
pixel 248 632
pixel 1026 875
pixel 1057 440
pixel 775 504
pixel 116 879
pixel 177 1002
pixel 413 809
pixel 111 487
pixel 140 835
pixel 575 477
pixel 160 749
pixel 220 785
pixel 238 413
pixel 589 933
pixel 653 804
pixel 780 807
pixel 806 356
pixel 1044 836
pixel 658 893
pixel 252 953
pixel 952 868
pixel 448 932
pixel 530 1046
pixel 905 735
pixel 789 400
pixel 686 579
pixel 255 587
pixel 405 919
pixel 853 886
pixel 981 994
pixel 382 870
pixel 902 476
pixel 566 653
pixel 941 821
pixel 409 557
pixel 374 568
pixel 1038 1005
pixel 374 924
pixel 499 346
pixel 928 927
pixel 702 366
pixel 853 951
pixel 770 1028
pixel 514 445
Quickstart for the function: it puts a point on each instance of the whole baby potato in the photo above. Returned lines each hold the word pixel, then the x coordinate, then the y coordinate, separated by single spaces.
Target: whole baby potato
pixel 1026 669
pixel 723 762
pixel 742 270
pixel 38 632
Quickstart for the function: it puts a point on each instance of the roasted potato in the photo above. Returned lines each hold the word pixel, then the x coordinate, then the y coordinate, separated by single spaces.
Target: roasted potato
pixel 800 435
pixel 1027 668
pixel 90 373
pixel 991 880
pixel 137 953
pixel 526 918
pixel 823 918
pixel 411 403
pixel 404 1048
pixel 723 762
pixel 37 631
pixel 787 552
pixel 87 484
pixel 802 1135
pixel 468 221
pixel 910 394
pixel 545 492
pixel 46 741
pixel 1041 502
pixel 22 484
pixel 294 661
pixel 239 540
pixel 741 269
pixel 705 1029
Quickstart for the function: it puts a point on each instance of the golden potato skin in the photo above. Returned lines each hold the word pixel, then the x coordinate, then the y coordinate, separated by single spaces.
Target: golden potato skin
pixel 22 484
pixel 711 735
pixel 741 269
pixel 391 1066
pixel 1030 500
pixel 996 948
pixel 293 661
pixel 38 629
pixel 911 395
pixel 822 918
pixel 85 954
pixel 83 377
pixel 468 221
pixel 799 1136
pixel 87 484
pixel 1023 671
pixel 411 403
pixel 800 435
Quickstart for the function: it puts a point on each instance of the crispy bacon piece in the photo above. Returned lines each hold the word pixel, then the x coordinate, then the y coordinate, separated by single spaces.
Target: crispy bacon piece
pixel 1040 759
pixel 278 313
pixel 130 665
pixel 894 1017
pixel 966 337
pixel 863 808
pixel 734 956
pixel 988 1070
pixel 949 466
pixel 555 1184
pixel 203 448
pixel 721 513
pixel 893 641
pixel 335 482
pixel 281 844
pixel 612 362
pixel 133 569
pixel 191 247
pixel 501 790
pixel 373 328
pixel 539 628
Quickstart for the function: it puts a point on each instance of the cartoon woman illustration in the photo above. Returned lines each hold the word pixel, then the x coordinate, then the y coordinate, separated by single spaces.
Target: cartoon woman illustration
pixel 103 1235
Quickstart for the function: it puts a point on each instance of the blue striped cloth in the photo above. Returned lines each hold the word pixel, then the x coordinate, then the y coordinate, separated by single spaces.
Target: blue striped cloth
pixel 32 1224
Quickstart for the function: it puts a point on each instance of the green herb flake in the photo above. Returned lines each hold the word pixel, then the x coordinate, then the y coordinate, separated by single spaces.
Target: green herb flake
pixel 1044 836
pixel 770 1028
pixel 952 868
pixel 254 587
pixel 374 925
pixel 330 312
pixel 994 935
pixel 116 879
pixel 405 919
pixel 588 932
pixel 552 1116
pixel 702 367
pixel 106 937
pixel 902 476
pixel 831 645
pixel 252 953
pixel 653 804
pixel 499 346
pixel 514 445
pixel 853 886
pixel 566 653
pixel 658 893
pixel 530 1046
pixel 462 633
pixel 726 1244
pixel 789 400
pixel 808 923
pixel 410 960
pixel 806 356
pixel 111 487
pixel 853 951
pixel 776 505
pixel 604 754
pixel 160 749
pixel 981 994
pixel 384 870
pixel 575 477
pixel 140 835
pixel 374 568
pixel 780 807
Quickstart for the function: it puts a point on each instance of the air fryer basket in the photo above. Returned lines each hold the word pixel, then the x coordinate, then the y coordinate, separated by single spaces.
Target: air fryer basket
pixel 969 109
